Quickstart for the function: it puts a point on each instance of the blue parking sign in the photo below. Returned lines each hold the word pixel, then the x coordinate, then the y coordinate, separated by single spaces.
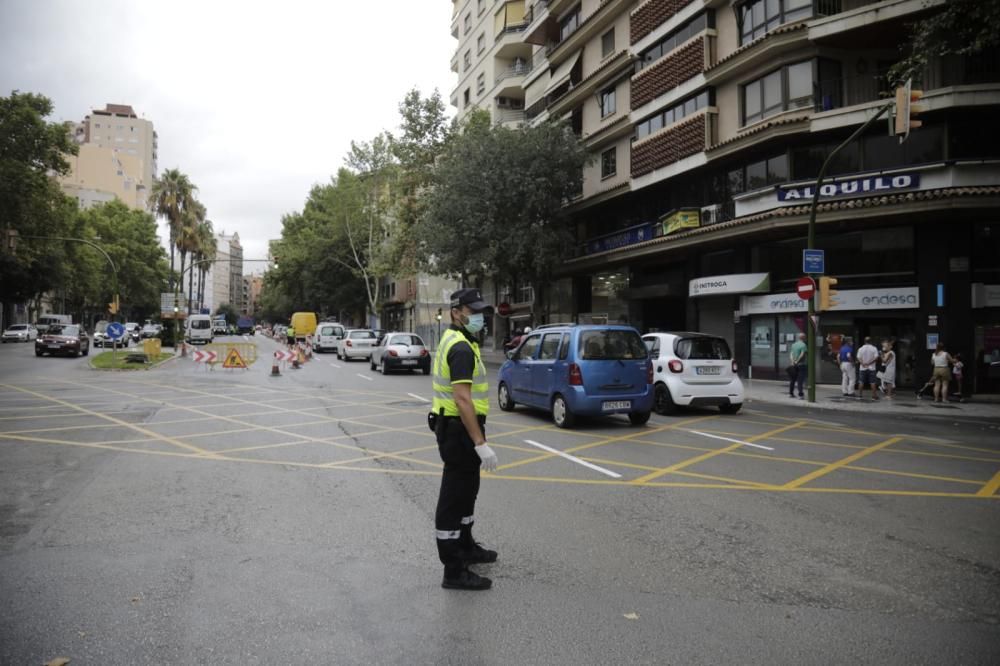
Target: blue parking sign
pixel 813 261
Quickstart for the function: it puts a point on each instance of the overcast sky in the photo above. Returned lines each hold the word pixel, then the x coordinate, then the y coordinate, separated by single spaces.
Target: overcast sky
pixel 255 100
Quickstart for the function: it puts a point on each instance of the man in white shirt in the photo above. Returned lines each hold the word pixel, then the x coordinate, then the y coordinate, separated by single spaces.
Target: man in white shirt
pixel 868 359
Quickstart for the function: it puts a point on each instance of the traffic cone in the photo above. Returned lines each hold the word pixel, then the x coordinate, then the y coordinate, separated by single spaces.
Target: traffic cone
pixel 275 371
pixel 295 361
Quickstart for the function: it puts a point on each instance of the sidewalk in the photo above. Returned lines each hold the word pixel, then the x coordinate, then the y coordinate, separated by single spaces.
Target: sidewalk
pixel 828 396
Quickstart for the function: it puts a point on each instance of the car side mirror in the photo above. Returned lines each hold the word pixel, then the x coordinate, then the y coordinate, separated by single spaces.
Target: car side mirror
pixel 510 354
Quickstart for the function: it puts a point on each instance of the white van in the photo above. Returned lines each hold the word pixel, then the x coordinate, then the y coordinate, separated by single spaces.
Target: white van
pixel 199 329
pixel 328 335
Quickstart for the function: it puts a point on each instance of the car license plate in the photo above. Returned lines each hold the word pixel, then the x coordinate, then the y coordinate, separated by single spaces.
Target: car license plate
pixel 51 346
pixel 616 404
pixel 409 362
pixel 708 370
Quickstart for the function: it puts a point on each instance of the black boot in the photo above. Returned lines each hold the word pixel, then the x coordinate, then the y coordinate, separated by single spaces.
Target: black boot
pixel 472 552
pixel 464 579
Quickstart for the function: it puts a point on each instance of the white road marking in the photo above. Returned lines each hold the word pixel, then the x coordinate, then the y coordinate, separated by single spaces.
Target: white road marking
pixel 334 365
pixel 418 397
pixel 727 439
pixel 364 376
pixel 613 475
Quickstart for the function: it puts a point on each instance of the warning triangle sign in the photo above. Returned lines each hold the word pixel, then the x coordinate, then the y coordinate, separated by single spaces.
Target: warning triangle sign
pixel 234 360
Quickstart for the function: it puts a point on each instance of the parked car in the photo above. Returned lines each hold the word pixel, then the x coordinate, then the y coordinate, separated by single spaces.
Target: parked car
pixel 357 343
pixel 693 369
pixel 328 335
pixel 20 333
pixel 585 370
pixel 400 351
pixel 68 339
pixel 133 331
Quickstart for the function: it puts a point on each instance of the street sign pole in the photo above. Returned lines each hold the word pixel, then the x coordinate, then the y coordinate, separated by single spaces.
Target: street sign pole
pixel 811 242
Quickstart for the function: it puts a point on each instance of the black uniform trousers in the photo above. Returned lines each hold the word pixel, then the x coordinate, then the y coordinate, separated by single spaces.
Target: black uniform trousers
pixel 459 488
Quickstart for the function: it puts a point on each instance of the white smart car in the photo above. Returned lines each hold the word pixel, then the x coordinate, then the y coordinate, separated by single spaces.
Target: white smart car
pixel 693 369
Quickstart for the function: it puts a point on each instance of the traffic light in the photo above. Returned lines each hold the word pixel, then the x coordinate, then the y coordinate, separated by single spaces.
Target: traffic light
pixel 113 306
pixel 439 314
pixel 906 110
pixel 827 295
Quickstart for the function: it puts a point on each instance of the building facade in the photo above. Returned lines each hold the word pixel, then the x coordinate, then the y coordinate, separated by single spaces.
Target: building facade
pixel 224 281
pixel 117 158
pixel 709 121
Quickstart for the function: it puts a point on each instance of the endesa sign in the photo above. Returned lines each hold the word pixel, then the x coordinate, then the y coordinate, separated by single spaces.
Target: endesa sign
pixel 850 187
pixel 857 299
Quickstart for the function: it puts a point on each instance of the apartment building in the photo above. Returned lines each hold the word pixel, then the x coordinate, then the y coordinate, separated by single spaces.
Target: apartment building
pixel 224 281
pixel 709 121
pixel 116 159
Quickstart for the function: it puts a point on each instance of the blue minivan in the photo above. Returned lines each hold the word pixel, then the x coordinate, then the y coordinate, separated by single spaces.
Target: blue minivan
pixel 579 370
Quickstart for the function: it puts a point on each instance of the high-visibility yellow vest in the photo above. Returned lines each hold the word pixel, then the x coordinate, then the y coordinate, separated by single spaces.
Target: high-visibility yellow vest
pixel 290 332
pixel 444 392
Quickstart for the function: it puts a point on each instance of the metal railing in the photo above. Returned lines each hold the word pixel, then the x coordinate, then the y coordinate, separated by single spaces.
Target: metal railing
pixel 510 116
pixel 844 91
pixel 516 69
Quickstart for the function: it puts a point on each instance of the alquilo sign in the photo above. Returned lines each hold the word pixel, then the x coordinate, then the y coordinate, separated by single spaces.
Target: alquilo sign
pixel 740 283
pixel 848 187
pixel 901 298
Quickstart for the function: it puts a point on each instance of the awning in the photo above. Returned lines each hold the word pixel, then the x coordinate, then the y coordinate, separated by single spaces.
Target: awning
pixel 561 74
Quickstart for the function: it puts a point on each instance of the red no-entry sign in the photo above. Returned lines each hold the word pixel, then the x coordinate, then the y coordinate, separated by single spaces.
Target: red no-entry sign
pixel 805 288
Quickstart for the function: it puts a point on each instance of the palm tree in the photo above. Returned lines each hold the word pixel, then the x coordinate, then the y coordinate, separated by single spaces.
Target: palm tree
pixel 204 255
pixel 171 196
pixel 187 239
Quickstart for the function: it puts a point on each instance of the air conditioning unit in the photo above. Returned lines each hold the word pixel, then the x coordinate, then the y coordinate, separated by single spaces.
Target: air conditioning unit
pixel 711 214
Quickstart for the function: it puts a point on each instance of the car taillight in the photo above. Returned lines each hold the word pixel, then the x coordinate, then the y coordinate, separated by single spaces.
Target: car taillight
pixel 649 372
pixel 735 367
pixel 392 352
pixel 423 352
pixel 348 343
pixel 675 366
pixel 575 376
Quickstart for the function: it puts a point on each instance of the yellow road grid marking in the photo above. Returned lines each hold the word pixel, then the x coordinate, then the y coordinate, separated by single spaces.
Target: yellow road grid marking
pixel 823 471
pixel 47 440
pixel 132 426
pixel 711 454
pixel 991 487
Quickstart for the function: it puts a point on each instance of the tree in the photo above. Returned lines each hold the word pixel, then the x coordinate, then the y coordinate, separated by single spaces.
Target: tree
pixel 960 27
pixel 228 311
pixel 206 252
pixel 187 240
pixel 498 201
pixel 31 203
pixel 171 197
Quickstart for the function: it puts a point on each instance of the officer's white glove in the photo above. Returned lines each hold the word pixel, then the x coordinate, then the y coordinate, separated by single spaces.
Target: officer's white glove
pixel 487 456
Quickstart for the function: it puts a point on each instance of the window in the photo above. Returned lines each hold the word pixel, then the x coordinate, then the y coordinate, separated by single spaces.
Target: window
pixel 673 40
pixel 702 348
pixel 787 88
pixel 466 96
pixel 758 174
pixel 550 346
pixel 468 23
pixel 467 60
pixel 609 162
pixel 674 114
pixel 481 83
pixel 524 292
pixel 606 100
pixel 564 347
pixel 608 43
pixel 481 43
pixel 527 349
pixel 569 24
pixel 611 345
pixel 757 17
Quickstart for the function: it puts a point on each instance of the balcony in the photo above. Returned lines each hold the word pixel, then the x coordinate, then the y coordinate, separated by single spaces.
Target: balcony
pixel 672 144
pixel 669 72
pixel 509 116
pixel 651 15
pixel 851 23
pixel 587 29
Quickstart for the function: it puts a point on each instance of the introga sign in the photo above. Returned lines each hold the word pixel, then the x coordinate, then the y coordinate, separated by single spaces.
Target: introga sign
pixel 740 283
pixel 851 187
pixel 857 299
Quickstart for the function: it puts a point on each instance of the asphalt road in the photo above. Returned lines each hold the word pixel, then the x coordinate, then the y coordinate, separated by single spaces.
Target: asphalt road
pixel 187 516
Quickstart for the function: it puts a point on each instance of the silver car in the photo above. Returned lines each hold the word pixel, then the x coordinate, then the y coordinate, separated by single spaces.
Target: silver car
pixel 20 333
pixel 357 343
pixel 401 351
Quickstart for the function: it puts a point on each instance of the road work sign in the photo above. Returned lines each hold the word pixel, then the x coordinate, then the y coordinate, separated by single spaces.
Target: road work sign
pixel 204 356
pixel 233 359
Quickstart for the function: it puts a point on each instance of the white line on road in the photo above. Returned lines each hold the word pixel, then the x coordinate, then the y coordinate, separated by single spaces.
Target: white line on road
pixel 418 397
pixel 727 439
pixel 334 365
pixel 613 475
pixel 364 376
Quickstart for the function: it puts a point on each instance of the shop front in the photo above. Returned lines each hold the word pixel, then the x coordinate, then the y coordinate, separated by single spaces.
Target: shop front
pixel 776 320
pixel 716 299
pixel 984 366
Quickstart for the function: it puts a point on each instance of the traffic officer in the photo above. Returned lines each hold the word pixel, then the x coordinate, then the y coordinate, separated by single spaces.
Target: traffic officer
pixel 461 403
pixel 290 334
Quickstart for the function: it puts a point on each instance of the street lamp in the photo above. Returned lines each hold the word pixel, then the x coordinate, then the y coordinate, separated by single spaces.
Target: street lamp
pixel 439 326
pixel 114 269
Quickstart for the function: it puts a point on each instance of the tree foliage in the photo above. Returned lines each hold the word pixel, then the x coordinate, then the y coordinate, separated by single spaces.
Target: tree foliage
pixel 497 200
pixel 960 27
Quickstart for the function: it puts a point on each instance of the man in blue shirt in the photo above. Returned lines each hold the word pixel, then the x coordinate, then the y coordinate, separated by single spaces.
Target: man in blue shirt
pixel 847 370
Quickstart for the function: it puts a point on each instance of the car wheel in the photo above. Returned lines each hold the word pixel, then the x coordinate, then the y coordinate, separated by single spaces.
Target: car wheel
pixel 38 353
pixel 503 397
pixel 372 365
pixel 87 351
pixel 561 415
pixel 382 368
pixel 638 418
pixel 663 403
pixel 730 408
pixel 426 371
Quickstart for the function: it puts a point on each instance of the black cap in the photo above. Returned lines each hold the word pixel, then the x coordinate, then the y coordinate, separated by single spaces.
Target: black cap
pixel 468 297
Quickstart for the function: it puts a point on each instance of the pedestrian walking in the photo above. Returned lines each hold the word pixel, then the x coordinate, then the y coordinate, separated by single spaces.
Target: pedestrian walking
pixel 940 362
pixel 461 404
pixel 957 371
pixel 799 366
pixel 888 369
pixel 848 374
pixel 868 358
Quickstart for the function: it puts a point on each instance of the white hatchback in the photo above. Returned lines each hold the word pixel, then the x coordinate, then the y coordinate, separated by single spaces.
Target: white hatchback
pixel 693 369
pixel 357 343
